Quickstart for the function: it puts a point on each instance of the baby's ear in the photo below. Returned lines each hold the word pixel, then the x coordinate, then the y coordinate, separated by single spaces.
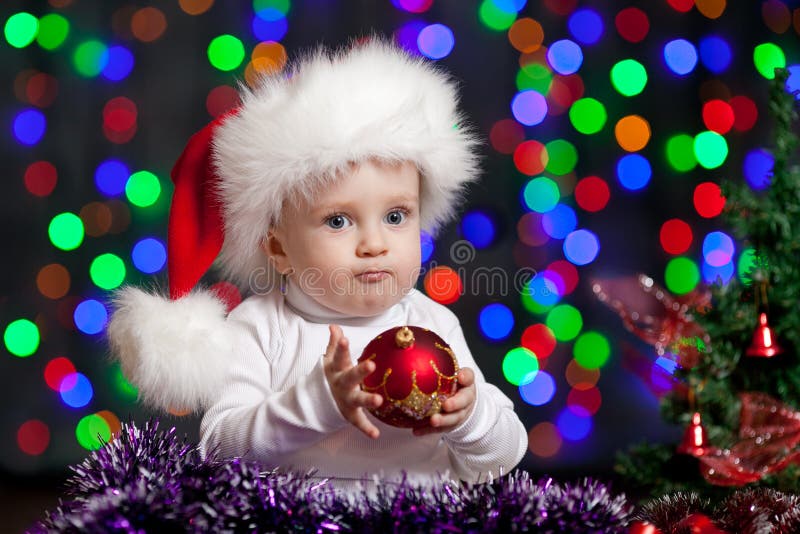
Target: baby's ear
pixel 272 246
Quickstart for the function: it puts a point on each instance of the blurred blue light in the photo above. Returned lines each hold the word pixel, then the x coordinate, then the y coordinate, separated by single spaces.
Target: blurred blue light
pixel 478 229
pixel 496 321
pixel 436 41
pixel 538 391
pixel 757 168
pixel 793 81
pixel 581 247
pixel 120 64
pixel 407 34
pixel 634 171
pixel 565 56
pixel 543 290
pixel 715 53
pixel 681 56
pixel 718 249
pixel 149 255
pixel 80 394
pixel 586 26
pixel 111 176
pixel 426 244
pixel 29 126
pixel 90 316
pixel 573 427
pixel 509 6
pixel 270 29
pixel 529 107
pixel 712 275
pixel 559 221
pixel 270 14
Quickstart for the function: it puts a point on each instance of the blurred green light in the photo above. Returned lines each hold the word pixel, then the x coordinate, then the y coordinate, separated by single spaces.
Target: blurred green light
pixel 281 6
pixel 680 152
pixel 66 231
pixel 92 431
pixel 225 52
pixel 495 18
pixel 20 29
pixel 143 189
pixel 21 338
pixel 53 31
pixel 746 263
pixel 768 57
pixel 541 194
pixel 563 157
pixel 90 58
pixel 520 366
pixel 107 271
pixel 124 388
pixel 681 275
pixel 591 350
pixel 535 76
pixel 565 321
pixel 532 305
pixel 710 149
pixel 628 77
pixel 588 115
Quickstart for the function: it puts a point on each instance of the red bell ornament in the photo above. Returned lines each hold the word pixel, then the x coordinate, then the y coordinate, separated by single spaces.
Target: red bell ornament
pixel 764 344
pixel 694 440
pixel 415 372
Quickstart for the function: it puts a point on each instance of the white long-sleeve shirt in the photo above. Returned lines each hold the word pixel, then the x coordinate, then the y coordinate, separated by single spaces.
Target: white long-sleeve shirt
pixel 277 406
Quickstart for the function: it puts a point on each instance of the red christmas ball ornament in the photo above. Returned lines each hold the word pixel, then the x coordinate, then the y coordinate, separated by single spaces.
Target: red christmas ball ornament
pixel 415 371
pixel 643 527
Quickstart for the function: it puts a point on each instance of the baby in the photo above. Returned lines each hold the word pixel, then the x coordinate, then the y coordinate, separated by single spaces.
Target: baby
pixel 324 179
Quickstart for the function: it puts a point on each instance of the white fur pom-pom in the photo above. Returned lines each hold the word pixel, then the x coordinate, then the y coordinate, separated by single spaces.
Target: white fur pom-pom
pixel 172 351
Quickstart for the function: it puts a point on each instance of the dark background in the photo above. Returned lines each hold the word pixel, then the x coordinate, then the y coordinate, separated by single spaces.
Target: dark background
pixel 169 84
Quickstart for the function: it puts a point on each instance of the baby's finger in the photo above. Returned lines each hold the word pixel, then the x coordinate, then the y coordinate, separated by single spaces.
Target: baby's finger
pixel 442 421
pixel 360 421
pixel 466 377
pixel 354 376
pixel 341 355
pixel 365 400
pixel 333 340
pixel 460 400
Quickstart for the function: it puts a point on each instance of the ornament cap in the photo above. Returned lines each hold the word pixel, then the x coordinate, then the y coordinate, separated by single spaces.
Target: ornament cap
pixel 764 344
pixel 404 338
pixel 694 441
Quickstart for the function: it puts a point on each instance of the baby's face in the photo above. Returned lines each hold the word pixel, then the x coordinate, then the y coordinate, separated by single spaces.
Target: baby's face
pixel 356 249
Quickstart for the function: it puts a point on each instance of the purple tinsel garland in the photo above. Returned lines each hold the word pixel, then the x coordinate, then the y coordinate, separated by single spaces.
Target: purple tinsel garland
pixel 148 480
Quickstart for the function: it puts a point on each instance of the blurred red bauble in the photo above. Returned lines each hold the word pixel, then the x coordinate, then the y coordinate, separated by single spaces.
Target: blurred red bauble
pixel 415 371
pixel 643 527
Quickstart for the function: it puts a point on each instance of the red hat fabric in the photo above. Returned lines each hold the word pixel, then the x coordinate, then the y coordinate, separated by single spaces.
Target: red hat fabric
pixel 195 231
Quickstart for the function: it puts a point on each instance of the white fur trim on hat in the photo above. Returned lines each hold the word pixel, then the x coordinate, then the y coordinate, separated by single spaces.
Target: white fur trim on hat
pixel 172 351
pixel 301 128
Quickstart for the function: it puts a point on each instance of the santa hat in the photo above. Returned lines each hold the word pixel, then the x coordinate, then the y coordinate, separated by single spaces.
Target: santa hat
pixel 293 133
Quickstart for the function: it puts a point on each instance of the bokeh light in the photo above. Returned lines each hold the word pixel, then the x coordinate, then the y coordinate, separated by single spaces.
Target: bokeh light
pixel 681 275
pixel 710 149
pixel 53 31
pixel 90 316
pixel 680 56
pixel 768 57
pixel 591 350
pixel 20 29
pixel 436 41
pixel 90 58
pixel 443 284
pixel 629 77
pixel 757 168
pixel 143 189
pixel 560 221
pixel 708 200
pixel 53 281
pixel 634 172
pixel 592 193
pixel 92 432
pixel 675 236
pixel 715 53
pixel 586 26
pixel 76 390
pixel 544 440
pixel 718 249
pixel 565 56
pixel 541 194
pixel 495 18
pixel 680 152
pixel 588 115
pixel 107 271
pixel 496 321
pixel 520 366
pixel 529 107
pixel 21 338
pixel 632 24
pixel 33 437
pixel 538 391
pixel 149 255
pixel 40 178
pixel 225 52
pixel 562 157
pixel 66 231
pixel 581 247
pixel 29 126
pixel 632 133
pixel 573 426
pixel 565 321
pixel 539 339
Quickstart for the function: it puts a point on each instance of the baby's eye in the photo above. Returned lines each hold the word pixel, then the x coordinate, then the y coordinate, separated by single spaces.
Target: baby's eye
pixel 395 217
pixel 337 222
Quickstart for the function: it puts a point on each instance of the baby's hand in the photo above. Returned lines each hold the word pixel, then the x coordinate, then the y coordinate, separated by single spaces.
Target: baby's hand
pixel 456 409
pixel 345 378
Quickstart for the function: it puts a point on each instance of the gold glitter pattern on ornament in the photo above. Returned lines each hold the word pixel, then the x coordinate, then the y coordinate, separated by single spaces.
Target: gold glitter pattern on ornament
pixel 416 404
